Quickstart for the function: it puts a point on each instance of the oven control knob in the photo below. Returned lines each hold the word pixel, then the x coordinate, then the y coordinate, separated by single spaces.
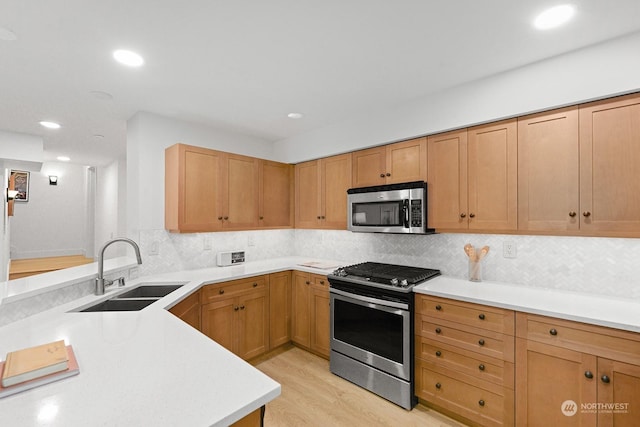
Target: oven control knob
pixel 404 283
pixel 394 282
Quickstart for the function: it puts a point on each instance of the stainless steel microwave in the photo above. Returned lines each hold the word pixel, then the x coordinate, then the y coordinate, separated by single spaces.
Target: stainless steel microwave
pixel 393 208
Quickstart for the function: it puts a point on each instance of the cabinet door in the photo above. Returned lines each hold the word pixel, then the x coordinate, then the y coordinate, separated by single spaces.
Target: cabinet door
pixel 188 310
pixel 369 167
pixel 320 321
pixel 548 171
pixel 276 194
pixel 335 175
pixel 447 180
pixel 253 328
pixel 622 389
pixel 307 198
pixel 551 379
pixel 493 176
pixel 609 159
pixel 280 308
pixel 407 161
pixel 219 322
pixel 241 192
pixel 300 320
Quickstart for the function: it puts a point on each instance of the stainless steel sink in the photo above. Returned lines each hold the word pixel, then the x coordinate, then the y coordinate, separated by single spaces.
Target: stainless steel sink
pixel 149 291
pixel 121 305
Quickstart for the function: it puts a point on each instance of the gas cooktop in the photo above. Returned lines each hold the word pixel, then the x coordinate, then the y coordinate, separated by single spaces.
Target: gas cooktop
pixel 385 275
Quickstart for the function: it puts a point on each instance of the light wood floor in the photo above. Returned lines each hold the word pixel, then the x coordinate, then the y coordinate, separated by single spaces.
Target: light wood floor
pixel 313 396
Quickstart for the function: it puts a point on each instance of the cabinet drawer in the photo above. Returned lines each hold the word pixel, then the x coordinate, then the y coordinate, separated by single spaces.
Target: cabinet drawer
pixel 436 355
pixel 479 316
pixel 216 291
pixel 493 407
pixel 597 340
pixel 488 343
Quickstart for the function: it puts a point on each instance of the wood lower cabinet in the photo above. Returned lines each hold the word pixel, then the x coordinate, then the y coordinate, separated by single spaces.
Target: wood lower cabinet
pixel 310 312
pixel 393 163
pixel 590 372
pixel 465 360
pixel 279 308
pixel 235 314
pixel 321 192
pixel 188 310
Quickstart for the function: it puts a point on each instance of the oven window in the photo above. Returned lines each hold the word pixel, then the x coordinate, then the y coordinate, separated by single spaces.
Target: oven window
pixel 375 331
pixel 377 213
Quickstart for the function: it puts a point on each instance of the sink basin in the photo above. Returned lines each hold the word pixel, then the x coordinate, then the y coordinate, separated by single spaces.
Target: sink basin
pixel 149 291
pixel 120 305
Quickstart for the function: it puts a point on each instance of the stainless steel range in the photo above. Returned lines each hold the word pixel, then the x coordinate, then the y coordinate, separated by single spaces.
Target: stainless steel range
pixel 372 327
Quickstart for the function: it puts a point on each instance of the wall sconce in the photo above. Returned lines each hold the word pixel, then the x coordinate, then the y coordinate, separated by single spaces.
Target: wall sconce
pixel 53 180
pixel 11 194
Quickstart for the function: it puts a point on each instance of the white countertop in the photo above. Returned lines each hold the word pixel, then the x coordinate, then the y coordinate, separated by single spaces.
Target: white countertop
pixel 142 368
pixel 588 308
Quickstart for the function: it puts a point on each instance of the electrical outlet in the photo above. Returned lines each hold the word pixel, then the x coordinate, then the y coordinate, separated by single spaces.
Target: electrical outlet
pixel 509 250
pixel 250 240
pixel 207 243
pixel 154 249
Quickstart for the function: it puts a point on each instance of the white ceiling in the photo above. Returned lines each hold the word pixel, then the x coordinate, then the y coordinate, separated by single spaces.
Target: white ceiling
pixel 242 65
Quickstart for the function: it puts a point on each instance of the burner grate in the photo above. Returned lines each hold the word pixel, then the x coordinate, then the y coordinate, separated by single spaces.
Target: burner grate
pixel 386 272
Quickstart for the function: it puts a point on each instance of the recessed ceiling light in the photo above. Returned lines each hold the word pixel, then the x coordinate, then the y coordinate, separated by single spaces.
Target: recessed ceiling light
pixel 63 158
pixel 50 125
pixel 295 115
pixel 128 57
pixel 7 35
pixel 554 17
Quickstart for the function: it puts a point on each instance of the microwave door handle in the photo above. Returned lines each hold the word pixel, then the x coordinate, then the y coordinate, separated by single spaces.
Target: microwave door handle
pixel 405 211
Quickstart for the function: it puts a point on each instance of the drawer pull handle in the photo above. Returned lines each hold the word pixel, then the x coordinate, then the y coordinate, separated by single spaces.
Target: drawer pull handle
pixel 221 291
pixel 553 332
pixel 481 402
pixel 481 367
pixel 438 385
pixel 438 353
pixel 255 285
pixel 481 316
pixel 438 330
pixel 605 379
pixel 588 374
pixel 481 342
pixel 438 307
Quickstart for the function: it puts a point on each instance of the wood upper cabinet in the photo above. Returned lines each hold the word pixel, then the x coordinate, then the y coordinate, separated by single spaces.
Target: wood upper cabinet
pixel 493 176
pixel 609 159
pixel 548 171
pixel 276 194
pixel 321 192
pixel 400 162
pixel 193 189
pixel 447 180
pixel 209 190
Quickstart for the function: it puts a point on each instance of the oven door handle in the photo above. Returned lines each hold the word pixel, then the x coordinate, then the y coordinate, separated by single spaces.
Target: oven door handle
pixel 370 299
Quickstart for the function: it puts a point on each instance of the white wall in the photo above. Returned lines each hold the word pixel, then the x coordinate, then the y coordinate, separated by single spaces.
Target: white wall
pixel 21 151
pixel 108 213
pixel 599 71
pixel 53 222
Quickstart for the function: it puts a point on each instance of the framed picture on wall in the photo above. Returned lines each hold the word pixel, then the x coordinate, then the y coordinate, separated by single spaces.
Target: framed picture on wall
pixel 21 184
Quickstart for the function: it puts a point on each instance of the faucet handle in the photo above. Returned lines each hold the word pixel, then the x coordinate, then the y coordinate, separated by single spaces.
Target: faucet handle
pixel 120 281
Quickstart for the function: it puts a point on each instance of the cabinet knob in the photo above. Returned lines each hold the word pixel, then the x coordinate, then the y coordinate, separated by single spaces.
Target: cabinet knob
pixel 242 307
pixel 221 291
pixel 472 215
pixel 586 214
pixel 438 385
pixel 463 215
pixel 261 217
pixel 605 379
pixel 226 218
pixel 219 218
pixel 388 174
pixel 481 367
pixel 381 175
pixel 255 285
pixel 438 307
pixel 481 402
pixel 572 214
pixel 553 331
pixel 481 341
pixel 236 308
pixel 322 217
pixel 318 217
pixel 322 282
pixel 438 330
pixel 438 353
pixel 307 282
pixel 588 374
pixel 481 316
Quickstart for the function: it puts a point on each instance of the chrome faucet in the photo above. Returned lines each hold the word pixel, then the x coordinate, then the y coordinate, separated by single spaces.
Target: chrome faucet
pixel 101 282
